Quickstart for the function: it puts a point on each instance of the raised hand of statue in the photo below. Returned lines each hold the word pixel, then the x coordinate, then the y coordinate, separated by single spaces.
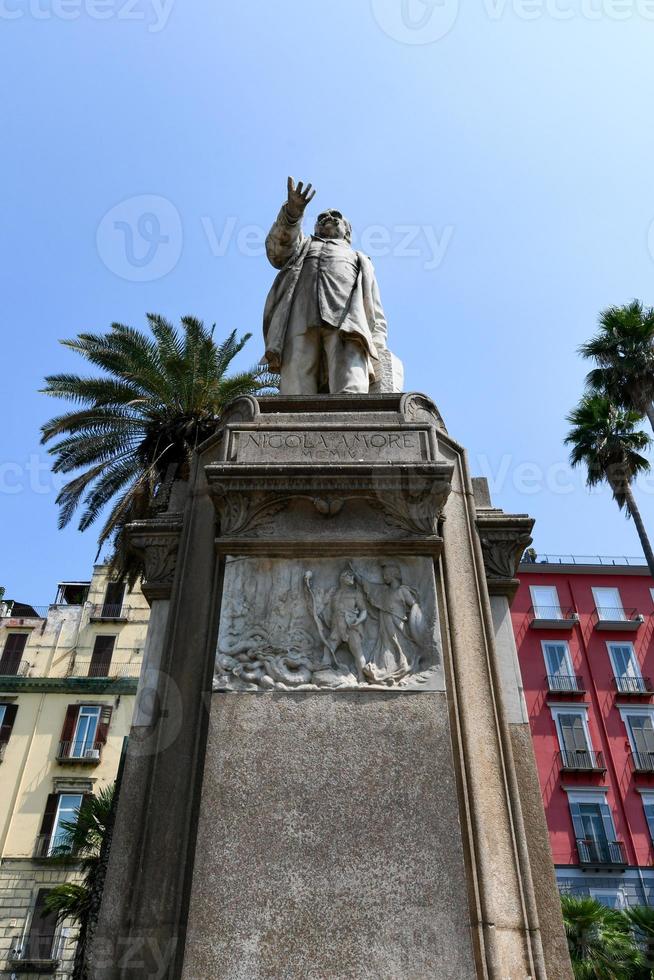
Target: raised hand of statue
pixel 298 198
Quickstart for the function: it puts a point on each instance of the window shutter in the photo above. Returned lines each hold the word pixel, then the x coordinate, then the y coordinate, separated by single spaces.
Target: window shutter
pixel 103 649
pixel 577 822
pixel 12 653
pixel 607 820
pixel 8 722
pixel 68 731
pixel 49 815
pixel 103 724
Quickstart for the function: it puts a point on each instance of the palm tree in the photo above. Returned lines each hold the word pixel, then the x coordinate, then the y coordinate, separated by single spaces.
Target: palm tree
pixel 641 918
pixel 608 441
pixel 135 427
pixel 83 839
pixel 624 350
pixel 600 940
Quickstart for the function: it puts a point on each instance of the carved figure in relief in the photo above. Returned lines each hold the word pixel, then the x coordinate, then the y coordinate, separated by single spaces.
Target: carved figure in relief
pixel 348 614
pixel 300 631
pixel 395 605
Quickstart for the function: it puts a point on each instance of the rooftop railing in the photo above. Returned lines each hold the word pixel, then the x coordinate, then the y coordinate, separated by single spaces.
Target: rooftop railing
pixel 548 559
pixel 20 610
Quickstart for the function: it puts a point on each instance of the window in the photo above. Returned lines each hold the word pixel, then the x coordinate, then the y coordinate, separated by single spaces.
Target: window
pixel 574 738
pixel 84 732
pixel 648 807
pixel 594 829
pixel 113 600
pixel 639 723
pixel 613 898
pixel 7 717
pixel 12 654
pixel 609 604
pixel 545 600
pixel 41 936
pixel 626 668
pixel 60 807
pixel 103 649
pixel 560 676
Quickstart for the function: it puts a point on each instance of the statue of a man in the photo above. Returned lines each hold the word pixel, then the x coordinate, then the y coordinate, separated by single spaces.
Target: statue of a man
pixel 323 322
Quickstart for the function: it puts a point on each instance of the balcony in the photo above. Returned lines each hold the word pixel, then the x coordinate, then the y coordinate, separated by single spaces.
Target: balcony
pixel 601 853
pixel 28 963
pixel 79 753
pixel 44 848
pixel 20 669
pixel 552 618
pixel 637 686
pixel 616 618
pixel 581 760
pixel 84 668
pixel 565 684
pixel 642 762
pixel 108 613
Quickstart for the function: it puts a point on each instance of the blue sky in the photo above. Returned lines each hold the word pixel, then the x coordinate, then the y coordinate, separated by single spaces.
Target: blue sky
pixel 494 156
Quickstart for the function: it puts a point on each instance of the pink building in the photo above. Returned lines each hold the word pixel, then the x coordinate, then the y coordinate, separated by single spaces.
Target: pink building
pixel 584 632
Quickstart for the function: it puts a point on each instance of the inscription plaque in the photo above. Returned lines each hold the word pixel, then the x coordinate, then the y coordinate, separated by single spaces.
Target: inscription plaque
pixel 329 445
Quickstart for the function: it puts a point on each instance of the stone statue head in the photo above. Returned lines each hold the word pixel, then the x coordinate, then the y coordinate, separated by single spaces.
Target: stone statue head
pixel 346 577
pixel 332 224
pixel 391 573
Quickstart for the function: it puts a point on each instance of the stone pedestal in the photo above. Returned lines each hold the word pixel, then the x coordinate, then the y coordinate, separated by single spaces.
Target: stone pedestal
pixel 330 789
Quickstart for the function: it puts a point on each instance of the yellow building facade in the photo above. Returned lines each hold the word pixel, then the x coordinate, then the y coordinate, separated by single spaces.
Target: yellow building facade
pixel 68 678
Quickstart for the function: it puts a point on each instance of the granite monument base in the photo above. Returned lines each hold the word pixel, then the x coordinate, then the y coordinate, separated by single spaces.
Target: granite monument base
pixel 328 786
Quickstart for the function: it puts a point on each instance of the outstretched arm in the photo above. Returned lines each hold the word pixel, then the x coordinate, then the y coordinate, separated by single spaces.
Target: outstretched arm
pixel 285 236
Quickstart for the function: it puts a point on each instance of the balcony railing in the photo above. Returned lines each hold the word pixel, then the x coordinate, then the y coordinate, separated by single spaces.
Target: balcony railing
pixel 120 668
pixel 44 847
pixel 20 669
pixel 633 685
pixel 552 617
pixel 616 618
pixel 80 752
pixel 610 853
pixel 642 761
pixel 581 760
pixel 105 611
pixel 565 684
